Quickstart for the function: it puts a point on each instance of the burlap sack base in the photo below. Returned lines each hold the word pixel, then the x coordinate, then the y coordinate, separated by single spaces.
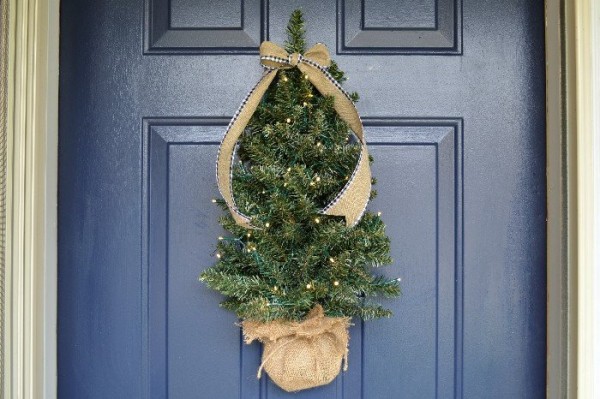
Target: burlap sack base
pixel 301 355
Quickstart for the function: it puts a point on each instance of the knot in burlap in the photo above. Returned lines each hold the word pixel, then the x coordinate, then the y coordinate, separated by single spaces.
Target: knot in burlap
pixel 294 59
pixel 301 355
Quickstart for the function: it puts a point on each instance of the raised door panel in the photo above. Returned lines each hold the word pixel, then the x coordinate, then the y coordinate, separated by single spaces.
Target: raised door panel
pixel 193 346
pixel 399 27
pixel 206 27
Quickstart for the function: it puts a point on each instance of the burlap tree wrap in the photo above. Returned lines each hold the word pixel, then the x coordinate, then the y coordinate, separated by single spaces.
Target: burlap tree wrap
pixel 352 200
pixel 301 355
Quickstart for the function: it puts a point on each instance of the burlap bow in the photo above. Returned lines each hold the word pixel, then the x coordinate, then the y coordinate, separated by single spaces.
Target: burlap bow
pixel 352 200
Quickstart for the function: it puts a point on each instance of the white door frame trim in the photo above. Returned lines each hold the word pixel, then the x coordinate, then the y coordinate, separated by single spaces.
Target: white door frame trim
pixel 28 266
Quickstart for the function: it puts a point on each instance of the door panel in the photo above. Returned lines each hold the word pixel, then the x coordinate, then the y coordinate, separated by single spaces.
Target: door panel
pixel 452 98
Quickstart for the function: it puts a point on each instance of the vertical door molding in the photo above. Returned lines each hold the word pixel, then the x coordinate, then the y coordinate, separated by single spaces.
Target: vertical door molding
pixel 29 296
pixel 561 176
pixel 3 171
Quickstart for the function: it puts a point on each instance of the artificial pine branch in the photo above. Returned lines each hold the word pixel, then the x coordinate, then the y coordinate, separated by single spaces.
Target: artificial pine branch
pixel 296 42
pixel 295 156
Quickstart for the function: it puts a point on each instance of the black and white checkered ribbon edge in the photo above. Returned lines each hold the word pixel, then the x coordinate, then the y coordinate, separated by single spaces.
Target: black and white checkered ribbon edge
pixel 269 70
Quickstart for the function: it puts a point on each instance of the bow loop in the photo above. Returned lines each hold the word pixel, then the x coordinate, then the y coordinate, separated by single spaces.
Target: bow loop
pixel 319 54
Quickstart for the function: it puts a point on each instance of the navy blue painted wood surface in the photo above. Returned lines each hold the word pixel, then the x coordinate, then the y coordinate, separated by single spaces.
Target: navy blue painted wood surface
pixel 452 97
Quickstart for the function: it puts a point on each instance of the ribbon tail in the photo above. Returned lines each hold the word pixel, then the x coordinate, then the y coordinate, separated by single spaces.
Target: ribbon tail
pixel 352 200
pixel 233 133
pixel 326 85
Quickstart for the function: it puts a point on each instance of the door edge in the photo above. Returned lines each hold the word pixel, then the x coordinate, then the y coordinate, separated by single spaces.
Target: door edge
pixel 561 204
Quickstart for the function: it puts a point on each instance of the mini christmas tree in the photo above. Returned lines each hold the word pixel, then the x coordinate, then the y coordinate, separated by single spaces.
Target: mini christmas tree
pixel 297 264
pixel 295 155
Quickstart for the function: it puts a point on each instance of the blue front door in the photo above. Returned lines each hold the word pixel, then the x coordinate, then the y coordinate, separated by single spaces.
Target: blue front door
pixel 452 98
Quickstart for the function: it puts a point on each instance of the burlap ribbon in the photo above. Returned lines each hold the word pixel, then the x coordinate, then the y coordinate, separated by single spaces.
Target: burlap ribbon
pixel 352 200
pixel 301 355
